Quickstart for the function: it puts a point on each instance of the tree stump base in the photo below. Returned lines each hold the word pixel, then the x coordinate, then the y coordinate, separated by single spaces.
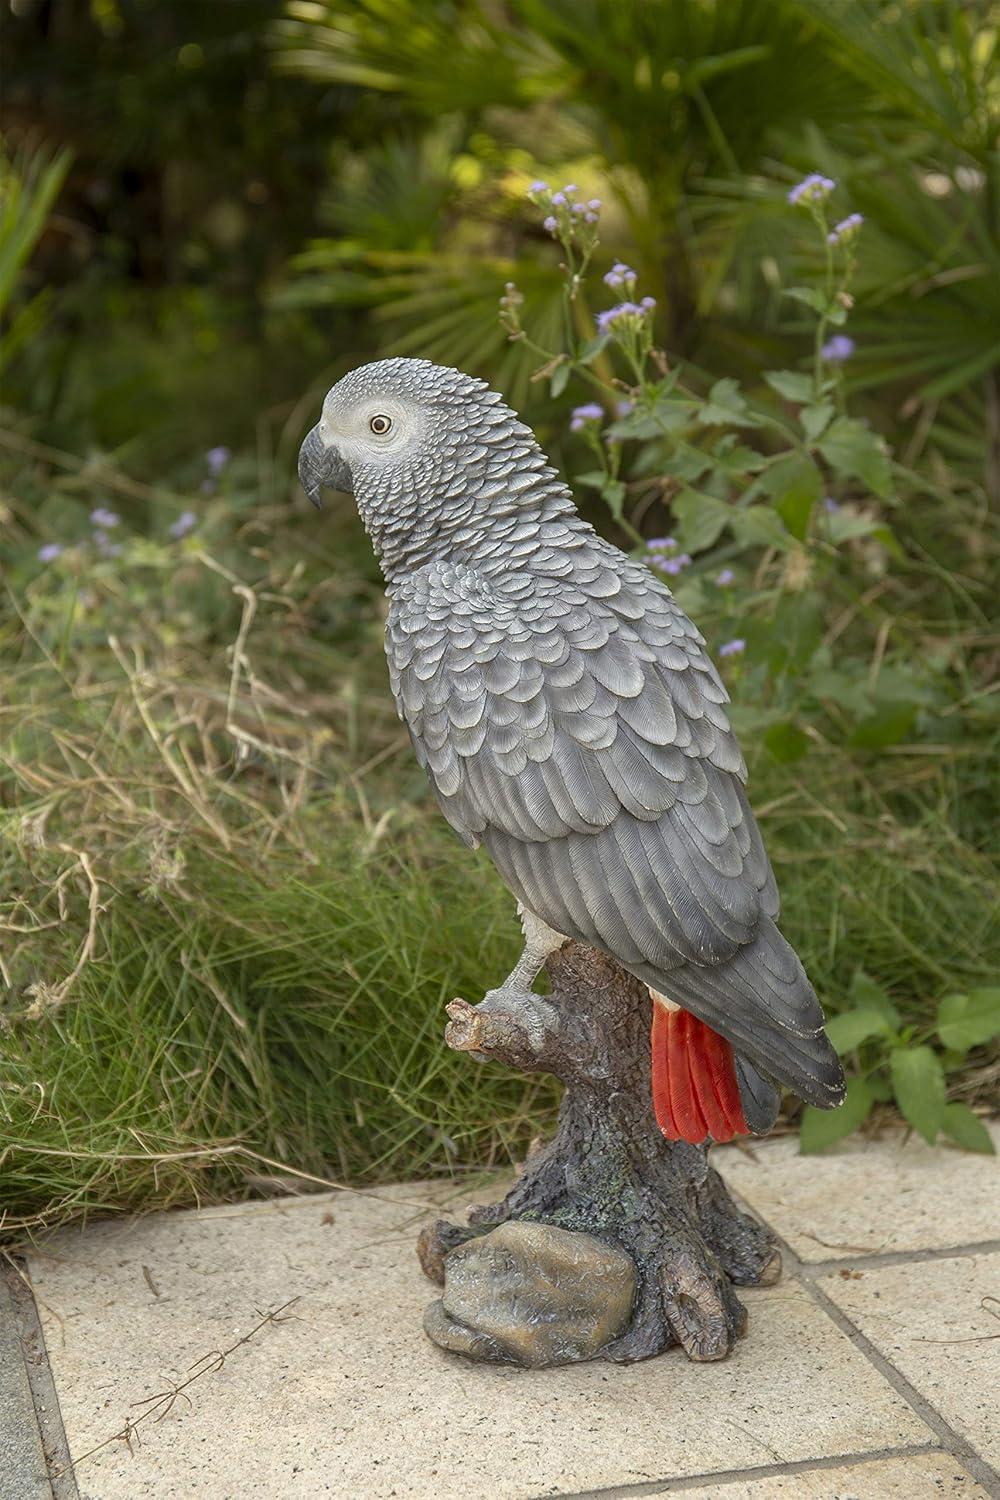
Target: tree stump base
pixel 609 1174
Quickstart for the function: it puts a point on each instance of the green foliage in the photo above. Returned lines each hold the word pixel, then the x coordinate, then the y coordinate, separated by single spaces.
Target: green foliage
pixel 29 185
pixel 901 1061
pixel 231 912
pixel 758 507
pixel 965 1021
pixel 690 120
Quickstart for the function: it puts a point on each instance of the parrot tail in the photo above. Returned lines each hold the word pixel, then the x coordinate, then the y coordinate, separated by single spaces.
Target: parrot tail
pixel 700 1089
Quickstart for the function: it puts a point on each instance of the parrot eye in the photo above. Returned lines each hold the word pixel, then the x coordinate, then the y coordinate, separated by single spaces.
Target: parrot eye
pixel 380 425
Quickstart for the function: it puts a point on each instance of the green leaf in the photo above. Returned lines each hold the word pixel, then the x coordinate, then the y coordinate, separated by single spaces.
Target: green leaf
pixel 726 406
pixel 594 479
pixel 687 463
pixel 918 1083
pixel 560 378
pixel 787 742
pixel 843 526
pixel 853 1027
pixel 592 348
pixel 655 419
pixel 814 419
pixel 703 69
pixel 613 494
pixel 758 525
pixel 701 519
pixel 822 1127
pixel 807 295
pixel 967 1129
pixel 855 452
pixel 888 725
pixel 867 995
pixel 736 458
pixel 965 1021
pixel 794 483
pixel 791 385
pixel 888 539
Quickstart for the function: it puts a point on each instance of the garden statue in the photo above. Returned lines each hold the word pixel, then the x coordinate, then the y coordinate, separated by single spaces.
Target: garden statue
pixel 571 722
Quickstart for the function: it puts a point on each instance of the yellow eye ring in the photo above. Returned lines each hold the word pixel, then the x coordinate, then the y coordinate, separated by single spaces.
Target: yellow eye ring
pixel 380 425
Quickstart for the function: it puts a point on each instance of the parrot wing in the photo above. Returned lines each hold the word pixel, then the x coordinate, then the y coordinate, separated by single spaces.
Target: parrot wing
pixel 573 722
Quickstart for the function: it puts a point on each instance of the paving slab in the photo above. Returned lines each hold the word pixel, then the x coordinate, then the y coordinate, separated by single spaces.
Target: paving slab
pixel 869 1197
pixel 23 1465
pixel 936 1321
pixel 918 1476
pixel 348 1398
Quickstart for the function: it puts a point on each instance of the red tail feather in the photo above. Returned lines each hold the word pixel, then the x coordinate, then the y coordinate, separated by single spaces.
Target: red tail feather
pixel 695 1092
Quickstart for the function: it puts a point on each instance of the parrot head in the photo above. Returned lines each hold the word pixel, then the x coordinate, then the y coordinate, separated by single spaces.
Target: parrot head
pixel 394 422
pixel 432 457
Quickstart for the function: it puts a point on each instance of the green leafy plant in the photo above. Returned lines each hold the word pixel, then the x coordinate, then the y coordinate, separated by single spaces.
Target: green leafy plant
pixel 29 183
pixel 908 1064
pixel 796 498
pixel 685 118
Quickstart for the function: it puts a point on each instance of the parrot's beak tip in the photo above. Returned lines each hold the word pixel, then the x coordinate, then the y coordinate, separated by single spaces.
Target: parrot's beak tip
pixel 315 498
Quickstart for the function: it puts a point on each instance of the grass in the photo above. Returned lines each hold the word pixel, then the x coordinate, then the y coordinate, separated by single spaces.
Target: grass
pixel 234 915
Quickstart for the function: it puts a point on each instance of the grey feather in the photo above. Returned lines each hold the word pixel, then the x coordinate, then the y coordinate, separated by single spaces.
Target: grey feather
pixel 570 719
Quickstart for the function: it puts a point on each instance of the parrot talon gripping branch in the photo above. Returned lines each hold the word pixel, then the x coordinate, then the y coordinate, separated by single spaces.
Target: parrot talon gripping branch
pixel 572 724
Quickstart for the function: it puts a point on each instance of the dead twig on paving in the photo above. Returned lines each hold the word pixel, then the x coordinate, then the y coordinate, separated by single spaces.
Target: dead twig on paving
pixel 158 1405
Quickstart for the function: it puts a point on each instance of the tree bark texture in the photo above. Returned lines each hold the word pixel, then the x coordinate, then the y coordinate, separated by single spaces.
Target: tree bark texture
pixel 608 1171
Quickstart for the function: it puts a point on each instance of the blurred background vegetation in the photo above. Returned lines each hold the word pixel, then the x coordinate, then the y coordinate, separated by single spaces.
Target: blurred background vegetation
pixel 231 914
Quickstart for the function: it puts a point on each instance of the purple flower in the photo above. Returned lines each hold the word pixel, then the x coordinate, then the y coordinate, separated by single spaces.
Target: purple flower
pixel 578 209
pixel 725 578
pixel 595 205
pixel 538 187
pixel 104 518
pixel 569 189
pixel 812 189
pixel 50 552
pixel 619 275
pixel 559 200
pixel 647 304
pixel 733 648
pixel 611 315
pixel 591 216
pixel 846 229
pixel 661 544
pixel 185 522
pixel 216 459
pixel 830 505
pixel 551 224
pixel 623 408
pixel 673 565
pixel 105 547
pixel 581 415
pixel 837 349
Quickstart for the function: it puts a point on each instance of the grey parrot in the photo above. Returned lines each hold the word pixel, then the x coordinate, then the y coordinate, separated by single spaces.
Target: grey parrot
pixel 570 720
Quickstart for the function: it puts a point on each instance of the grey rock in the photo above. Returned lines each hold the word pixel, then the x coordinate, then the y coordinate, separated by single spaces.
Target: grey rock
pixel 533 1294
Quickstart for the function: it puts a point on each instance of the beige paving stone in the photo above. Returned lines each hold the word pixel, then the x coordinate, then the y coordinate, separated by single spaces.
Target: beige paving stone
pixel 349 1398
pixel 929 1320
pixel 869 1197
pixel 919 1476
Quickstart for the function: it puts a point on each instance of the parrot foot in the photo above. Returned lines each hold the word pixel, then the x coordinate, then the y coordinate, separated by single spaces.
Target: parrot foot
pixel 509 1024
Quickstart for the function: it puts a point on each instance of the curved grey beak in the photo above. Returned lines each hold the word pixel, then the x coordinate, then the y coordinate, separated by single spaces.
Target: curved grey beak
pixel 321 466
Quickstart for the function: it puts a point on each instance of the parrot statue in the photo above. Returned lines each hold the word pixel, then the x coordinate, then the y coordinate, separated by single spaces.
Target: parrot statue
pixel 571 722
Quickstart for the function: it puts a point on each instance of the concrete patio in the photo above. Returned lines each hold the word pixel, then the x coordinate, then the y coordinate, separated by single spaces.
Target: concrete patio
pixel 869 1371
